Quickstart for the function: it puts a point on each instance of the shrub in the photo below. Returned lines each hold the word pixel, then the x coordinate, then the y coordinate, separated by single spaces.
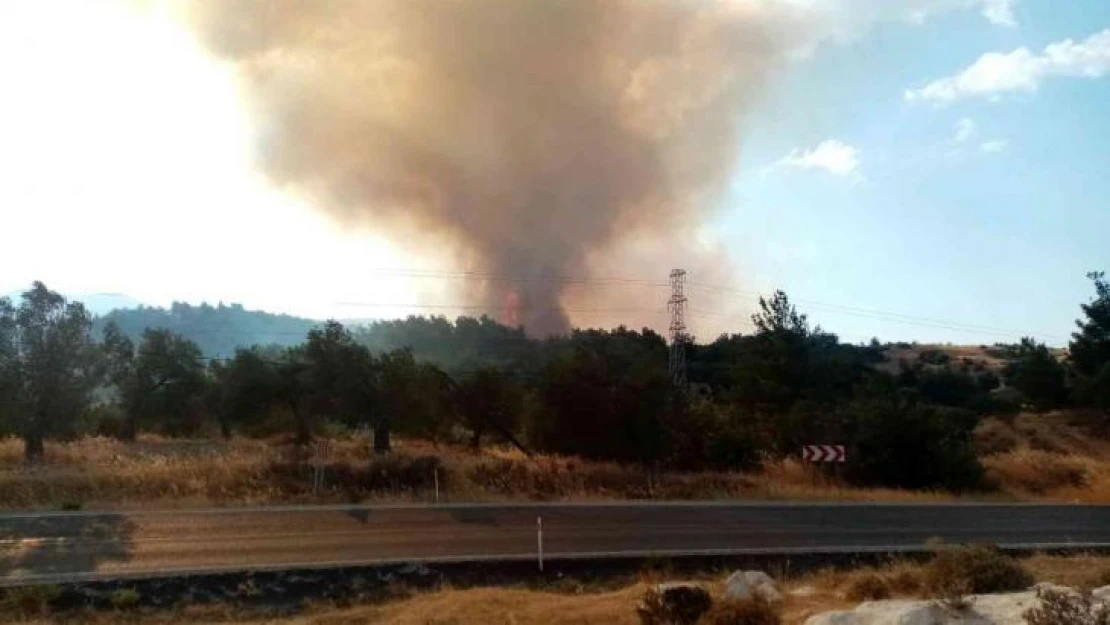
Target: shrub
pixel 956 571
pixel 673 605
pixel 904 582
pixel 124 598
pixel 29 601
pixel 867 587
pixel 934 357
pixel 1065 608
pixel 904 444
pixel 754 610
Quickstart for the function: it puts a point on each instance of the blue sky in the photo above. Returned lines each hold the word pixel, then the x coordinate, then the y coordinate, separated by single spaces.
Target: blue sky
pixel 985 207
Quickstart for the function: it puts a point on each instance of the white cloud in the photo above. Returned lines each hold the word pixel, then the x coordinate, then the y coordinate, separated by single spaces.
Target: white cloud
pixel 803 26
pixel 831 155
pixel 995 73
pixel 999 12
pixel 992 147
pixel 965 129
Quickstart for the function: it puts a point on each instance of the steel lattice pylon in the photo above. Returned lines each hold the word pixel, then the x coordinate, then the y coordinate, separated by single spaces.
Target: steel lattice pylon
pixel 676 305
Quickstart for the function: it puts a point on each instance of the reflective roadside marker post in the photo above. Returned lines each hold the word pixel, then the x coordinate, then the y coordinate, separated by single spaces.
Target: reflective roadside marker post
pixel 323 449
pixel 813 455
pixel 437 483
pixel 539 541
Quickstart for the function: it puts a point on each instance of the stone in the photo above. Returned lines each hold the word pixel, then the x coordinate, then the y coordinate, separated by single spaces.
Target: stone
pixel 1102 594
pixel 890 612
pixel 743 584
pixel 996 609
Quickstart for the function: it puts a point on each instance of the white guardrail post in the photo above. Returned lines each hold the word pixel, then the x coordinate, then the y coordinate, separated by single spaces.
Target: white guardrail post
pixel 539 541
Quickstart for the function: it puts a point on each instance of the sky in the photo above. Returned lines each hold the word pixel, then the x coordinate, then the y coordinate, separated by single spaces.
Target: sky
pixel 930 170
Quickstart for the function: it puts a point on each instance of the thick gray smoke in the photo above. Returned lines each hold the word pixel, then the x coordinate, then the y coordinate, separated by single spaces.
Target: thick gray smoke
pixel 532 134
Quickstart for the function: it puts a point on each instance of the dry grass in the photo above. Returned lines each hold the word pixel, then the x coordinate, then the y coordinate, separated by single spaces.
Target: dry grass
pixel 1051 457
pixel 159 472
pixel 824 590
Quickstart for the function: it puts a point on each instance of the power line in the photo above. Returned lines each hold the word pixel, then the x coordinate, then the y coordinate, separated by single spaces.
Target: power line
pixel 608 281
pixel 879 314
pixel 894 317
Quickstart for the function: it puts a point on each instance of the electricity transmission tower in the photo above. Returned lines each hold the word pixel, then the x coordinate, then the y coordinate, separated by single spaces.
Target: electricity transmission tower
pixel 676 305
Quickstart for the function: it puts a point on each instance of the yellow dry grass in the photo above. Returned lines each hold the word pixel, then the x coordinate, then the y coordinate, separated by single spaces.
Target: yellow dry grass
pixel 1050 457
pixel 804 596
pixel 160 472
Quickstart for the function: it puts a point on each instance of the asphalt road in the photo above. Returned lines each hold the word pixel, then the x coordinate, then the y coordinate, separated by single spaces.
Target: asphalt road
pixel 89 545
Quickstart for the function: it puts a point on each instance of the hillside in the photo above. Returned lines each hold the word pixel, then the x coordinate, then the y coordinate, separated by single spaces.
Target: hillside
pixel 218 330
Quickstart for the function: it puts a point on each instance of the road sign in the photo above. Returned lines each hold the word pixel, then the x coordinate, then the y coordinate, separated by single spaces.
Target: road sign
pixel 823 453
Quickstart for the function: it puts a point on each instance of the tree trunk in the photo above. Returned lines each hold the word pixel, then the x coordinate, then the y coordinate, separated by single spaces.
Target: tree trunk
pixel 32 445
pixel 225 427
pixel 129 429
pixel 381 437
pixel 476 438
pixel 304 436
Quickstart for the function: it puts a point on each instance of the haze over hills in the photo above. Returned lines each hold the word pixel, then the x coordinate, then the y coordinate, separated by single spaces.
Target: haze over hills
pixel 95 303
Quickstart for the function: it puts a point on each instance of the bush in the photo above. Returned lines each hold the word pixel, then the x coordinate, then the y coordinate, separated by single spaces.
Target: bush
pixel 673 605
pixel 29 601
pixel 904 582
pixel 974 569
pixel 934 357
pixel 867 587
pixel 902 444
pixel 1065 608
pixel 124 598
pixel 752 611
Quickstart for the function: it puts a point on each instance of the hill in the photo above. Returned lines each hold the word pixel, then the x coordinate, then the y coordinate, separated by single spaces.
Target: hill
pixel 218 330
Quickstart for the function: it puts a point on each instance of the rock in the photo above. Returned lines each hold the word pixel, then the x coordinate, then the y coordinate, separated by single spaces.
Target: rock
pixel 674 603
pixel 1055 587
pixel 1002 608
pixel 890 612
pixel 743 584
pixel 998 609
pixel 1102 594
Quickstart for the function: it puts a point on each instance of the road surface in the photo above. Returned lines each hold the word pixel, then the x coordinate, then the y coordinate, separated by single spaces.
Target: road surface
pixel 90 545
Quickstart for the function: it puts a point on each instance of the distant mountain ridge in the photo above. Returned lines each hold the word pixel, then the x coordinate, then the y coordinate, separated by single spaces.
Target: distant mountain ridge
pixel 218 330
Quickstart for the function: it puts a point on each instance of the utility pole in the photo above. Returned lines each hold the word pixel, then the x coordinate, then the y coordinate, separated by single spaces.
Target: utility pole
pixel 676 305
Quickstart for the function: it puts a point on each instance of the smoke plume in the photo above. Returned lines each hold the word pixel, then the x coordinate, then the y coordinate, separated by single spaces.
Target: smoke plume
pixel 532 134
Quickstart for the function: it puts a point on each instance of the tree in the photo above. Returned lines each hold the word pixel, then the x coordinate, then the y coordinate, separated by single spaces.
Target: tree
pixel 1038 375
pixel 344 381
pixel 244 389
pixel 778 316
pixel 606 395
pixel 164 378
pixel 45 365
pixel 1090 346
pixel 490 399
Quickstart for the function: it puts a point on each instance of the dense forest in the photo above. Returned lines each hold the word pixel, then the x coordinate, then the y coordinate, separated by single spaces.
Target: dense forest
pixel 604 394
